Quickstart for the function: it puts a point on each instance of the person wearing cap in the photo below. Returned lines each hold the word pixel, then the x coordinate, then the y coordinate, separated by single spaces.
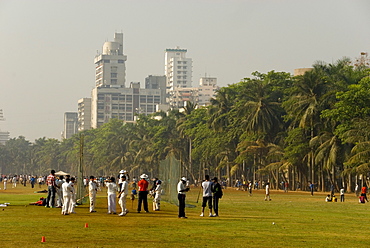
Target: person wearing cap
pixel 217 195
pixel 123 195
pixel 143 193
pixel 181 195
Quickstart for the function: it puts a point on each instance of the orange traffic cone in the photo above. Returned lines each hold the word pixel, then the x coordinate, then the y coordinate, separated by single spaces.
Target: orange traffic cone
pixel 86 225
pixel 43 239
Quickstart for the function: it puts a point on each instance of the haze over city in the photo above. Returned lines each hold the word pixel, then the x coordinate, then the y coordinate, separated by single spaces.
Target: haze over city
pixel 48 47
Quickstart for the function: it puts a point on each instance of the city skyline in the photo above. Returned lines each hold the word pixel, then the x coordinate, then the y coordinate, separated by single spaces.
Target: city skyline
pixel 48 47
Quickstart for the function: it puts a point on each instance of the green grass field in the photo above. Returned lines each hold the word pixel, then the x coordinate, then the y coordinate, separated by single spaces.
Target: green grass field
pixel 300 220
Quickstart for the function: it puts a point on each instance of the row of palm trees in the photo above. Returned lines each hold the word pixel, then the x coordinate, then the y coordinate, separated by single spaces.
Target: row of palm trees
pixel 270 127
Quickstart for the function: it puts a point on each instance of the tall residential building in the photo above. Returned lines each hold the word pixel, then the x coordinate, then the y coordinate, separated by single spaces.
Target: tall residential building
pixel 4 136
pixel 201 95
pixel 110 98
pixel 178 69
pixel 110 67
pixel 110 101
pixel 178 96
pixel 70 124
pixel 207 90
pixel 157 82
pixel 84 114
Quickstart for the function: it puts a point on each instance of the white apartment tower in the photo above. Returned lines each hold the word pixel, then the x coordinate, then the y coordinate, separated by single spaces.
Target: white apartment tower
pixel 178 69
pixel 111 98
pixel 84 114
pixel 207 90
pixel 110 67
pixel 70 124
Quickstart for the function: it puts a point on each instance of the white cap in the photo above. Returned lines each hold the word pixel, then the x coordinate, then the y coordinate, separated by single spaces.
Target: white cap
pixel 122 171
pixel 184 179
pixel 144 176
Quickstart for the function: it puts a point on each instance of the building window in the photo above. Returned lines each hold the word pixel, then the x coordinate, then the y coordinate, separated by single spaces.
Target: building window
pixel 113 75
pixel 143 99
pixel 113 81
pixel 106 61
pixel 121 61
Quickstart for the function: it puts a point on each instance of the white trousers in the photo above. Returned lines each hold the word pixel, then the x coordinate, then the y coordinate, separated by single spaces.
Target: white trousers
pixel 92 197
pixel 111 203
pixel 122 203
pixel 66 201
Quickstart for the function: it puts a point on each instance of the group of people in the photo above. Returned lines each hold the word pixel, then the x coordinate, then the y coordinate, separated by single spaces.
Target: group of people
pixel 212 193
pixel 64 188
pixel 123 190
pixel 22 179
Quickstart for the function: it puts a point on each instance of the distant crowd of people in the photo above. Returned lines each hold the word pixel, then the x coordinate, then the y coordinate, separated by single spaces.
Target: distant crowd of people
pixel 61 192
pixel 15 180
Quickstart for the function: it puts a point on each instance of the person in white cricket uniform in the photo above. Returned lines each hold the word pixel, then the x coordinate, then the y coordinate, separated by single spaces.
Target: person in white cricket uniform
pixel 111 191
pixel 5 182
pixel 123 195
pixel 72 204
pixel 92 193
pixel 157 197
pixel 267 196
pixel 59 184
pixel 67 194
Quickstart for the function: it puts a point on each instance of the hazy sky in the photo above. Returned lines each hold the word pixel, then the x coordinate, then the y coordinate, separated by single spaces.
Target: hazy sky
pixel 47 48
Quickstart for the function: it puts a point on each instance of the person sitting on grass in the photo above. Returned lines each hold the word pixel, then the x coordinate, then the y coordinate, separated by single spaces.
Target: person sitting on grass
pixel 328 198
pixel 363 198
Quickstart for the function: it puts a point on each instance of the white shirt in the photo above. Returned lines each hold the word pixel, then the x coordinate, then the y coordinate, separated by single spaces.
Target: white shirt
pixel 67 189
pixel 181 186
pixel 207 188
pixel 92 187
pixel 111 188
pixel 124 188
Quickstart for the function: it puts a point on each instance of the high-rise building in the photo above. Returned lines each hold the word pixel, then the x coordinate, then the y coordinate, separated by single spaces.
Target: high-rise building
pixel 4 136
pixel 110 98
pixel 201 95
pixel 84 114
pixel 207 90
pixel 110 67
pixel 122 103
pixel 70 124
pixel 178 96
pixel 178 69
pixel 157 82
